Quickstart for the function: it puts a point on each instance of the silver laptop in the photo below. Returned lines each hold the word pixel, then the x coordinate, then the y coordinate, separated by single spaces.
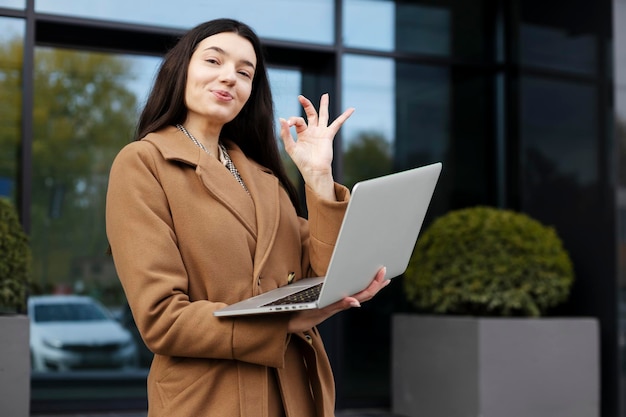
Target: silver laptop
pixel 380 228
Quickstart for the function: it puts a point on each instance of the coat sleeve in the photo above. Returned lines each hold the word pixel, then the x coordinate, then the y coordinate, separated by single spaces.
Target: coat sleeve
pixel 324 221
pixel 145 251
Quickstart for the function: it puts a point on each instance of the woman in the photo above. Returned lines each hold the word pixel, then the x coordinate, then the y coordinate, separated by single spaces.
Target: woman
pixel 200 214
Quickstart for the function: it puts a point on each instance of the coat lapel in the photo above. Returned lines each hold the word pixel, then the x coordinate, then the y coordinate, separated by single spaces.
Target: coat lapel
pixel 265 192
pixel 259 211
pixel 224 187
pixel 217 179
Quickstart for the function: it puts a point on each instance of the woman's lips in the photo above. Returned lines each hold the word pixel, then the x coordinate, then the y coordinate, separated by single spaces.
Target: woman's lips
pixel 223 95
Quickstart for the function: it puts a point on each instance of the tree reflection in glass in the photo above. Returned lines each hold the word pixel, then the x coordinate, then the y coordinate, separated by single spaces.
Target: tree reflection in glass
pixel 85 109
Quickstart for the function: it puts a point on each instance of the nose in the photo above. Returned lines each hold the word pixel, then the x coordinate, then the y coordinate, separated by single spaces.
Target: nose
pixel 228 74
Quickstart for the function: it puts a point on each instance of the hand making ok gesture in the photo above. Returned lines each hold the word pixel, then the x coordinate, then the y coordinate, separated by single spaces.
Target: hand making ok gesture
pixel 312 151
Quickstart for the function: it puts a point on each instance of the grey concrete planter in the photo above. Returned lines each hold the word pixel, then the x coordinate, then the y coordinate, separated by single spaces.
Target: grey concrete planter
pixel 445 366
pixel 14 366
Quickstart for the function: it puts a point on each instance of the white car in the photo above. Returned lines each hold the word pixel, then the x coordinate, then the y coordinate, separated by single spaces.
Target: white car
pixel 69 332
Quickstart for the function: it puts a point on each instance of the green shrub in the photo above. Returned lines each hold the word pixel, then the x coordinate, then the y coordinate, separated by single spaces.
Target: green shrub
pixel 486 261
pixel 15 262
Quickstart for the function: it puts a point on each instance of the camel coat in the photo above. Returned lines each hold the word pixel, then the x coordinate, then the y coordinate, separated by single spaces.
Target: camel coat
pixel 186 240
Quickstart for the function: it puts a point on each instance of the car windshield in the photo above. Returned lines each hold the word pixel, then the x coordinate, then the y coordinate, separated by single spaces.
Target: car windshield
pixel 68 312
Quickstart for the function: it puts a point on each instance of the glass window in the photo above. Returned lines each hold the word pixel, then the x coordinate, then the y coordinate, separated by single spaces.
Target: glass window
pixel 445 28
pixel 423 116
pixel 83 116
pixel 11 54
pixel 407 115
pixel 368 136
pixel 85 110
pixel 13 4
pixel 367 141
pixel 286 86
pixel 358 17
pixel 445 114
pixel 293 20
pixel 556 37
pixel 558 131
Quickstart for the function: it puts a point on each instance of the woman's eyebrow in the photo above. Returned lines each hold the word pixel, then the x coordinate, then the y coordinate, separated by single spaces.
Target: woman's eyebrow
pixel 223 52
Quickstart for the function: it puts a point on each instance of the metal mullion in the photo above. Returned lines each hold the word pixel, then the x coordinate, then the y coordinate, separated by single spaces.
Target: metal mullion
pixel 107 24
pixel 6 12
pixel 25 177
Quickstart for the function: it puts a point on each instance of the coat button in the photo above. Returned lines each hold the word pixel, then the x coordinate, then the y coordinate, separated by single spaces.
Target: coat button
pixel 258 281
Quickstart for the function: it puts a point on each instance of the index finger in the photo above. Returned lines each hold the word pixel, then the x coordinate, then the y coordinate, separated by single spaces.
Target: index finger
pixel 309 110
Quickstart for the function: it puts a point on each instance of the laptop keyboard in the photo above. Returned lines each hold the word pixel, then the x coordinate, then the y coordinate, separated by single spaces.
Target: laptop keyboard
pixel 305 296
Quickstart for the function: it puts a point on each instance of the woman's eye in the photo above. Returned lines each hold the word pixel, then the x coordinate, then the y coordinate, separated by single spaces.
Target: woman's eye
pixel 212 61
pixel 245 74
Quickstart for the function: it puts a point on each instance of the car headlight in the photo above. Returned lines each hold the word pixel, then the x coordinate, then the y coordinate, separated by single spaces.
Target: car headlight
pixel 53 343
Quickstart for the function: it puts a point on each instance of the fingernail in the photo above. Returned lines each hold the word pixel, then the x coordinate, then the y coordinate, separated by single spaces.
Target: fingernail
pixel 355 304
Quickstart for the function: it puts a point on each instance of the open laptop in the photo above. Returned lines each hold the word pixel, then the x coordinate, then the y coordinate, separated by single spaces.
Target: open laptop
pixel 380 228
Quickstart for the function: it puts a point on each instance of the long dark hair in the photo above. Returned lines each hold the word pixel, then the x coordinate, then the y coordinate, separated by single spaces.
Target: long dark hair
pixel 252 129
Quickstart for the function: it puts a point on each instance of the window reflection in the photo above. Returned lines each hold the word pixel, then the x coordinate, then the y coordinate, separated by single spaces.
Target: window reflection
pixel 11 52
pixel 408 115
pixel 359 16
pixel 423 117
pixel 369 135
pixel 286 86
pixel 424 29
pixel 418 114
pixel 294 20
pixel 556 48
pixel 558 127
pixel 76 332
pixel 13 4
pixel 444 28
pixel 557 38
pixel 558 131
pixel 368 138
pixel 85 110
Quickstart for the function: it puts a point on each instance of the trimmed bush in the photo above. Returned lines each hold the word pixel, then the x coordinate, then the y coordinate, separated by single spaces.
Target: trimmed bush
pixel 485 261
pixel 15 262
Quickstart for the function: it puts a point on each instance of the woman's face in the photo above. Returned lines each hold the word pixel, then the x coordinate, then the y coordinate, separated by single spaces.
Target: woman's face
pixel 219 78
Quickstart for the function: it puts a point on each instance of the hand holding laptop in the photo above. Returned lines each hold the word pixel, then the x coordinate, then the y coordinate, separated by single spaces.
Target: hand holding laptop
pixel 303 320
pixel 380 228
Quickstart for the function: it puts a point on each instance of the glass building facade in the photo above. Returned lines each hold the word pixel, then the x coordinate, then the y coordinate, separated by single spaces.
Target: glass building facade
pixel 524 102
